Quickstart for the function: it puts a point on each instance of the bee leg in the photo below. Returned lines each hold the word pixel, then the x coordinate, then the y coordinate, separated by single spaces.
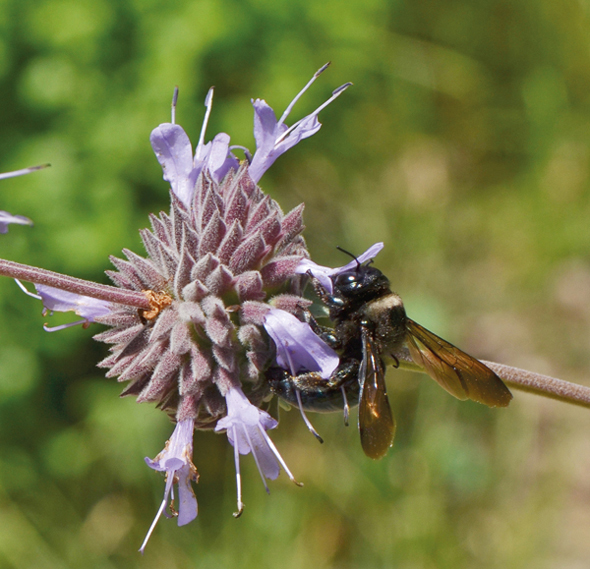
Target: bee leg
pixel 346 376
pixel 396 364
pixel 289 388
pixel 310 392
pixel 346 406
pixel 326 333
pixel 328 299
pixel 305 419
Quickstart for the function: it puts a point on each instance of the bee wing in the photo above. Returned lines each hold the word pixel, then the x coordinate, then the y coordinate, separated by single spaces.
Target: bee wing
pixel 454 370
pixel 376 424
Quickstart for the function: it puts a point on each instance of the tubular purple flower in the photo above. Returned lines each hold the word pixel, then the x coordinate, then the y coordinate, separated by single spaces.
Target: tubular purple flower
pixel 7 218
pixel 246 427
pixel 298 347
pixel 176 461
pixel 56 300
pixel 274 138
pixel 173 150
pixel 22 172
pixel 323 274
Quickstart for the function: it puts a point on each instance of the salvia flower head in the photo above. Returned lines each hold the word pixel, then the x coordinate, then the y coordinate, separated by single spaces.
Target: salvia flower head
pixel 195 323
pixel 209 270
pixel 220 281
pixel 222 258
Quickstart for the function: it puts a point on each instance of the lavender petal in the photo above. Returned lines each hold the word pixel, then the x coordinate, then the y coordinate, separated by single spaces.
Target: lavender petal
pixel 298 347
pixel 58 300
pixel 173 150
pixel 7 218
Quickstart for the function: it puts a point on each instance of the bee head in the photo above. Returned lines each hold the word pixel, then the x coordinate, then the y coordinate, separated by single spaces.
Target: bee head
pixel 361 284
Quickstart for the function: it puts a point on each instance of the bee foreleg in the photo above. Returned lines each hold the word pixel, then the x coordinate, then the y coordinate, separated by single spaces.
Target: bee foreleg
pixel 328 299
pixel 326 333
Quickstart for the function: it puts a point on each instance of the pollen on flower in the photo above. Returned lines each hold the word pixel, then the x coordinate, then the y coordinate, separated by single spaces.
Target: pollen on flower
pixel 158 301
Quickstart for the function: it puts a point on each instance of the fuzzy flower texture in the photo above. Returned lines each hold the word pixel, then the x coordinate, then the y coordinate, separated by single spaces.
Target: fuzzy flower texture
pixel 224 290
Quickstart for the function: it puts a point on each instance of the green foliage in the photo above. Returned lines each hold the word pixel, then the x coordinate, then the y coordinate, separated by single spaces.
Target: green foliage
pixel 463 145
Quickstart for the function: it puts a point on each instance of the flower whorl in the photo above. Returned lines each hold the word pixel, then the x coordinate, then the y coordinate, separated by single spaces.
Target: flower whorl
pixel 209 267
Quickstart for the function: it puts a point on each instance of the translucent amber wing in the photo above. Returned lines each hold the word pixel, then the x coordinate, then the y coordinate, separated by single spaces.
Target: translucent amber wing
pixel 454 370
pixel 376 424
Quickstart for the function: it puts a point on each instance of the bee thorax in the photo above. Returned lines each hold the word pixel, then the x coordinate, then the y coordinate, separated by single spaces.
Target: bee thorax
pixel 388 319
pixel 389 302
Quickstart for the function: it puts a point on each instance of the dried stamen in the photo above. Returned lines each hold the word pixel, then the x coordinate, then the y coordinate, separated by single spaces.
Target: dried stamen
pixel 158 301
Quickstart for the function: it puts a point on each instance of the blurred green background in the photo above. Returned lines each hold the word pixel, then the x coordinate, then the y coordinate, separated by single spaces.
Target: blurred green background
pixel 463 145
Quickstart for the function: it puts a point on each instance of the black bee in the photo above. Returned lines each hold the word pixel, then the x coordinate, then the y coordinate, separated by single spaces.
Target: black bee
pixel 370 323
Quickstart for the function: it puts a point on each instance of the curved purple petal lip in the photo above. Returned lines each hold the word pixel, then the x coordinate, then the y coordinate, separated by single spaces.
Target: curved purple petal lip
pixel 274 138
pixel 249 420
pixel 176 460
pixel 62 301
pixel 324 274
pixel 298 347
pixel 246 426
pixel 174 152
pixel 7 218
pixel 57 300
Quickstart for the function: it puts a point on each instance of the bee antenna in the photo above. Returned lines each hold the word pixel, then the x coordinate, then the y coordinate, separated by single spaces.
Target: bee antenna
pixel 349 254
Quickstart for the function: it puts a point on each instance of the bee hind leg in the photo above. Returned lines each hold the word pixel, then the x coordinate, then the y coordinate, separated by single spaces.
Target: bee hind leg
pixel 305 419
pixel 346 406
pixel 290 389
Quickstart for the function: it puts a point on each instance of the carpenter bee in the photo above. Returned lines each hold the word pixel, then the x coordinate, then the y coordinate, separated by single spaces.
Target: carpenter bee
pixel 370 323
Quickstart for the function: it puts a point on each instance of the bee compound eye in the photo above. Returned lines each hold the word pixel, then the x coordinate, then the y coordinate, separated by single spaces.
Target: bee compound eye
pixel 345 279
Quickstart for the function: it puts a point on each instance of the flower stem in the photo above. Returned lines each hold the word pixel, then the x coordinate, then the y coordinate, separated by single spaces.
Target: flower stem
pixel 72 284
pixel 524 380
pixel 543 385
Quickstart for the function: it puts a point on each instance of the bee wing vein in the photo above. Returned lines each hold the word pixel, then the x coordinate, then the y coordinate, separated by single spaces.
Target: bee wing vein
pixel 460 374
